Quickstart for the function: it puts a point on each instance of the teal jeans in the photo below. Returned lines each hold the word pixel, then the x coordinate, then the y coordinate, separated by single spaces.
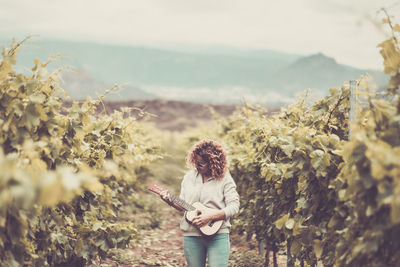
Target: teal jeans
pixel 197 248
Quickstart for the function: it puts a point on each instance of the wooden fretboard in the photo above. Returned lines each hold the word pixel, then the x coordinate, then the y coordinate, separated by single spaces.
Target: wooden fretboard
pixel 176 200
pixel 182 203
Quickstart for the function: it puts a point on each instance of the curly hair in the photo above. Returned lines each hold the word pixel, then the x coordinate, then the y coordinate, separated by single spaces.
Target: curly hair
pixel 213 154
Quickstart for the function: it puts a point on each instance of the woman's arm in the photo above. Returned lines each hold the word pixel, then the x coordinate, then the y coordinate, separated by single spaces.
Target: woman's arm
pixel 231 198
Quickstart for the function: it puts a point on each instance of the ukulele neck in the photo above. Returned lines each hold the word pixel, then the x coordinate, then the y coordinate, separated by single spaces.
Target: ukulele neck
pixel 181 203
pixel 175 200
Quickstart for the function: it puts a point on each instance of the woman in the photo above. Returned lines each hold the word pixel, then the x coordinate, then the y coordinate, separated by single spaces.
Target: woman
pixel 209 182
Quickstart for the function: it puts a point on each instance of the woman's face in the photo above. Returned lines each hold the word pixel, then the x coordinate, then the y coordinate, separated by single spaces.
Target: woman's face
pixel 201 164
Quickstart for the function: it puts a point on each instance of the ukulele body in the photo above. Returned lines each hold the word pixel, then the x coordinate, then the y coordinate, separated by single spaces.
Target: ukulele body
pixel 209 229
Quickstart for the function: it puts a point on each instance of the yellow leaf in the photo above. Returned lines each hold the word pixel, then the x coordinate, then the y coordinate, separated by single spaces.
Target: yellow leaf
pixel 38 164
pixel 317 248
pixel 95 186
pixel 280 222
pixel 390 55
pixel 53 191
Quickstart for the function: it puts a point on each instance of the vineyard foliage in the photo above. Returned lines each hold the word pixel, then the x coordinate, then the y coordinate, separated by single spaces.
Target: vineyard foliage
pixel 309 187
pixel 65 173
pixel 285 167
pixel 311 182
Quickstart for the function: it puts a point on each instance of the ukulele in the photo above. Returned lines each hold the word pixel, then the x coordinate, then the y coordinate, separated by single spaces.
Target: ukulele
pixel 191 211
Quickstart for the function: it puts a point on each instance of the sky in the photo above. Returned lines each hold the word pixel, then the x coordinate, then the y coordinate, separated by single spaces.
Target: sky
pixel 343 29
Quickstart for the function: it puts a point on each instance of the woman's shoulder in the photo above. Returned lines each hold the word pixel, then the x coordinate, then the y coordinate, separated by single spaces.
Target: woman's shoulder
pixel 228 177
pixel 190 174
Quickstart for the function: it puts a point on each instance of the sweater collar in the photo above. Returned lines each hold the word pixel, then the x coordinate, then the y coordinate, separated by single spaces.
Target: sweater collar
pixel 199 175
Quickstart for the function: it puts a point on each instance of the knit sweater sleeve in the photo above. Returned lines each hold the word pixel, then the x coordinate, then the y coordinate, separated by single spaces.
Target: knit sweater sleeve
pixel 231 198
pixel 182 193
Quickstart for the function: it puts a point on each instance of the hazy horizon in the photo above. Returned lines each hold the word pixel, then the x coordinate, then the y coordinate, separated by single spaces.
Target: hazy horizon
pixel 211 76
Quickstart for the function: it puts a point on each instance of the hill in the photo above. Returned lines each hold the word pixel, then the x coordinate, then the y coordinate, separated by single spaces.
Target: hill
pixel 319 72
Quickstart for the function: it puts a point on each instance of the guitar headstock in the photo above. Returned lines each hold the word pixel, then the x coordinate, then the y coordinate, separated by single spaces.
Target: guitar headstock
pixel 155 188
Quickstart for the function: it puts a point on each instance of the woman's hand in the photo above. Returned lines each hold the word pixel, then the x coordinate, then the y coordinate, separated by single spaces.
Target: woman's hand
pixel 166 197
pixel 204 219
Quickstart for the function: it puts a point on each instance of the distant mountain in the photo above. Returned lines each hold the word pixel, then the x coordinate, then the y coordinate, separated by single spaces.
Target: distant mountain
pixel 319 72
pixel 145 65
pixel 200 74
pixel 79 84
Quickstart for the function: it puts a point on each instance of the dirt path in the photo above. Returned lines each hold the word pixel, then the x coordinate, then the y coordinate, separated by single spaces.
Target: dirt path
pixel 163 246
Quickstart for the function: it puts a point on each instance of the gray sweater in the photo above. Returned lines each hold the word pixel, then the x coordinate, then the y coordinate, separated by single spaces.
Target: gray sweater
pixel 214 194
